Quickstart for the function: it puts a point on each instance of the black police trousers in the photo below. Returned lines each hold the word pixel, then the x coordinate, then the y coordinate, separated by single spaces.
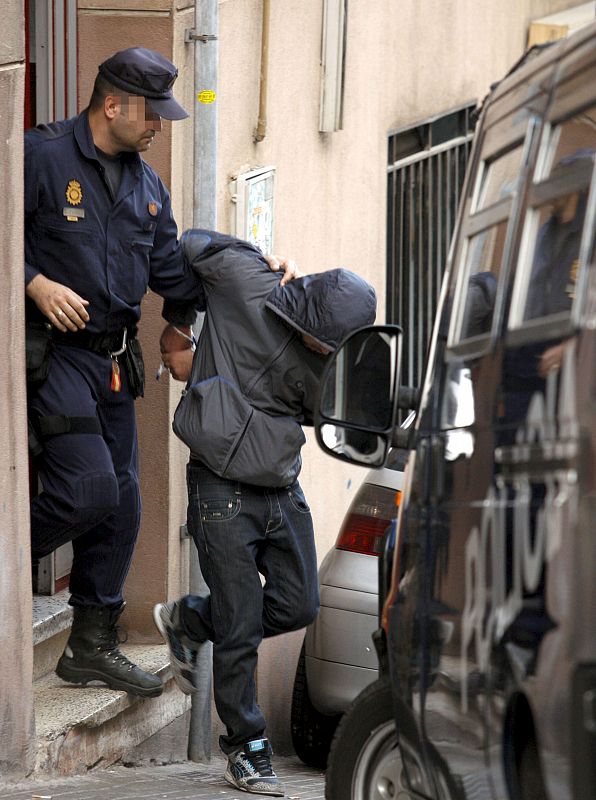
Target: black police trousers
pixel 90 481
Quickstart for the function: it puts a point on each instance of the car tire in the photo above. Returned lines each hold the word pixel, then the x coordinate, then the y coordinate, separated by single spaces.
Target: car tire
pixel 364 762
pixel 312 731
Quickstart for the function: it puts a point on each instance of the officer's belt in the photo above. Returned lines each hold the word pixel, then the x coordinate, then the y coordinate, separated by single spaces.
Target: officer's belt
pixel 104 343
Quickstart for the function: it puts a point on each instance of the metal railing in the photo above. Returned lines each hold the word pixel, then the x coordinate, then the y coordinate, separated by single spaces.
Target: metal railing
pixel 427 164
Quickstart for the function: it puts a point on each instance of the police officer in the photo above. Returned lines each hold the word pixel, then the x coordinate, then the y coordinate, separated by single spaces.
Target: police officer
pixel 99 231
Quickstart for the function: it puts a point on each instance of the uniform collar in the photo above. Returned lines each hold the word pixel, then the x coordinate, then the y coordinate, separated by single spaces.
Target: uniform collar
pixel 84 139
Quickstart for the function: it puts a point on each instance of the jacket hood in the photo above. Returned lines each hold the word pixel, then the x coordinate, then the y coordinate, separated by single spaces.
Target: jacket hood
pixel 327 306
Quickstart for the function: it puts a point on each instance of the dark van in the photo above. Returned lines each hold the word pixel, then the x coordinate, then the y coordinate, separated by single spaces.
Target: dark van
pixel 488 642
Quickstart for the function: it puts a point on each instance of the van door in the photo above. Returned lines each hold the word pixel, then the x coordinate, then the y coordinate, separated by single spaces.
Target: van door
pixel 459 688
pixel 504 499
pixel 546 453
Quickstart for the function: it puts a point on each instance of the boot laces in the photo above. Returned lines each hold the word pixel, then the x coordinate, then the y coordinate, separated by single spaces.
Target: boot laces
pixel 115 636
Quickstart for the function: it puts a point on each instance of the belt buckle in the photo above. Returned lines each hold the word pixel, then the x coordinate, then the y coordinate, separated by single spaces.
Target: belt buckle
pixel 123 345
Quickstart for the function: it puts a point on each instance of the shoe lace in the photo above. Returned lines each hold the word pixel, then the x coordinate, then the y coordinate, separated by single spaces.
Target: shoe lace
pixel 113 637
pixel 259 763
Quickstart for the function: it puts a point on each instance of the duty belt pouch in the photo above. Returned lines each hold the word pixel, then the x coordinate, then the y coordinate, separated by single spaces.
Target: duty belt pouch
pixel 38 349
pixel 135 367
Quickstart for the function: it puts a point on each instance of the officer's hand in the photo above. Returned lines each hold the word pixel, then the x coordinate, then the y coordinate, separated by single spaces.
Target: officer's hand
pixel 64 308
pixel 179 362
pixel 175 337
pixel 289 267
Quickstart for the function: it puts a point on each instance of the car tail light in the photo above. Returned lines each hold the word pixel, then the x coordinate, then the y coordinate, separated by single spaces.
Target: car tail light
pixel 367 519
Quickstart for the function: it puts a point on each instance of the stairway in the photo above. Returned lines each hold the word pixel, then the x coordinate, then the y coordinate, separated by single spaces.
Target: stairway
pixel 79 728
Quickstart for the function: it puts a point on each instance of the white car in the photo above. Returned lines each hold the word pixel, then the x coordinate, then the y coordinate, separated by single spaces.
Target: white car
pixel 338 658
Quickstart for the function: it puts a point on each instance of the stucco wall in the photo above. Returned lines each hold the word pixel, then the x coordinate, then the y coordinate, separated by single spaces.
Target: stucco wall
pixel 16 669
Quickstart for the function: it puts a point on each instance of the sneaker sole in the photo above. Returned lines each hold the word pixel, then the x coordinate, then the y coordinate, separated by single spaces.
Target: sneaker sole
pixel 184 684
pixel 272 793
pixel 82 677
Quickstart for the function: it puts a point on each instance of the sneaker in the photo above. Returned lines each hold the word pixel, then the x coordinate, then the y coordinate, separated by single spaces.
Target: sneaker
pixel 250 770
pixel 183 650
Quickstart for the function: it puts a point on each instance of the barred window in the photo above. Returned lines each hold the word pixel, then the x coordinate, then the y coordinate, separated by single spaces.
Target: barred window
pixel 426 168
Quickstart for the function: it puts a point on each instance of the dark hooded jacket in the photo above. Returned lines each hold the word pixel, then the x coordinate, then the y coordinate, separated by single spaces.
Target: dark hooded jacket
pixel 253 381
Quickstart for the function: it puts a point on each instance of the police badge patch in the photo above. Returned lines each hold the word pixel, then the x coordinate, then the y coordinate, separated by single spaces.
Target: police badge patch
pixel 74 193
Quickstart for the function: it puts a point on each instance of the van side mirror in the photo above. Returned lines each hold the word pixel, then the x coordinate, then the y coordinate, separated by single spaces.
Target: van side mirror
pixel 355 417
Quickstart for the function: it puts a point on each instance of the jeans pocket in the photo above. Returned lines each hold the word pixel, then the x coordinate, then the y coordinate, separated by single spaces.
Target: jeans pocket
pixel 219 510
pixel 297 499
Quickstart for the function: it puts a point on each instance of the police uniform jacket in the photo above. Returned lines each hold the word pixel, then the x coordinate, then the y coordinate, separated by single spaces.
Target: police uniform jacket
pixel 253 381
pixel 108 250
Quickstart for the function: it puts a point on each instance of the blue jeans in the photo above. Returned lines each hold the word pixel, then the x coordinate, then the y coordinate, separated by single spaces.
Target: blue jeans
pixel 242 532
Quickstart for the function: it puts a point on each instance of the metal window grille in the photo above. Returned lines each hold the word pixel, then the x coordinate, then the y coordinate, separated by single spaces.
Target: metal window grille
pixel 51 59
pixel 426 168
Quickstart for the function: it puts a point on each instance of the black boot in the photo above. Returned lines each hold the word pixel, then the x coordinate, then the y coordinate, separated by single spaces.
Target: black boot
pixel 92 654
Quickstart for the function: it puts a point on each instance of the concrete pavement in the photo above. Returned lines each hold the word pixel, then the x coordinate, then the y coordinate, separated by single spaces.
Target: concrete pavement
pixel 181 781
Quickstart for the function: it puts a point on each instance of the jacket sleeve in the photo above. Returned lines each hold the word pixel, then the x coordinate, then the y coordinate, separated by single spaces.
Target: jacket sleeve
pixel 224 263
pixel 170 275
pixel 181 313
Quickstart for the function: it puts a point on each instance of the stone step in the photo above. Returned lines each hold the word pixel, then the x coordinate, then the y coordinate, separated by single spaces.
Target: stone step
pixel 79 728
pixel 52 617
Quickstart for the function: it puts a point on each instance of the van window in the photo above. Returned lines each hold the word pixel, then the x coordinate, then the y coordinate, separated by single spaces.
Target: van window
pixel 476 293
pixel 571 137
pixel 483 265
pixel 473 318
pixel 555 231
pixel 483 236
pixel 498 178
pixel 550 256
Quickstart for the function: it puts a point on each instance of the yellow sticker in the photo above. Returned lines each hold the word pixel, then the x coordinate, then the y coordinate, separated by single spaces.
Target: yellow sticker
pixel 74 193
pixel 206 96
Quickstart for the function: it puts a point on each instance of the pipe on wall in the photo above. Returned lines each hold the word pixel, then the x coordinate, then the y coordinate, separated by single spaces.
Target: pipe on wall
pixel 204 36
pixel 261 129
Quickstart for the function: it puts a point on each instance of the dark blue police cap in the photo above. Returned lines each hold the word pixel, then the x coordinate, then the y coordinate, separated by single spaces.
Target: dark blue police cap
pixel 144 72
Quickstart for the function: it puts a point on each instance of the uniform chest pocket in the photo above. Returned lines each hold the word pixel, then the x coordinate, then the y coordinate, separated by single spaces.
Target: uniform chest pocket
pixel 63 231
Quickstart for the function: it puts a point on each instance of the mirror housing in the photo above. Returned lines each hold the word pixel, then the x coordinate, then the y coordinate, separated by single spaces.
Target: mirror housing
pixel 358 396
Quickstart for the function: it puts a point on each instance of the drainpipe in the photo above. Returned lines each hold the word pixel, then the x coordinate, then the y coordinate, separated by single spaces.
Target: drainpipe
pixel 204 38
pixel 261 128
